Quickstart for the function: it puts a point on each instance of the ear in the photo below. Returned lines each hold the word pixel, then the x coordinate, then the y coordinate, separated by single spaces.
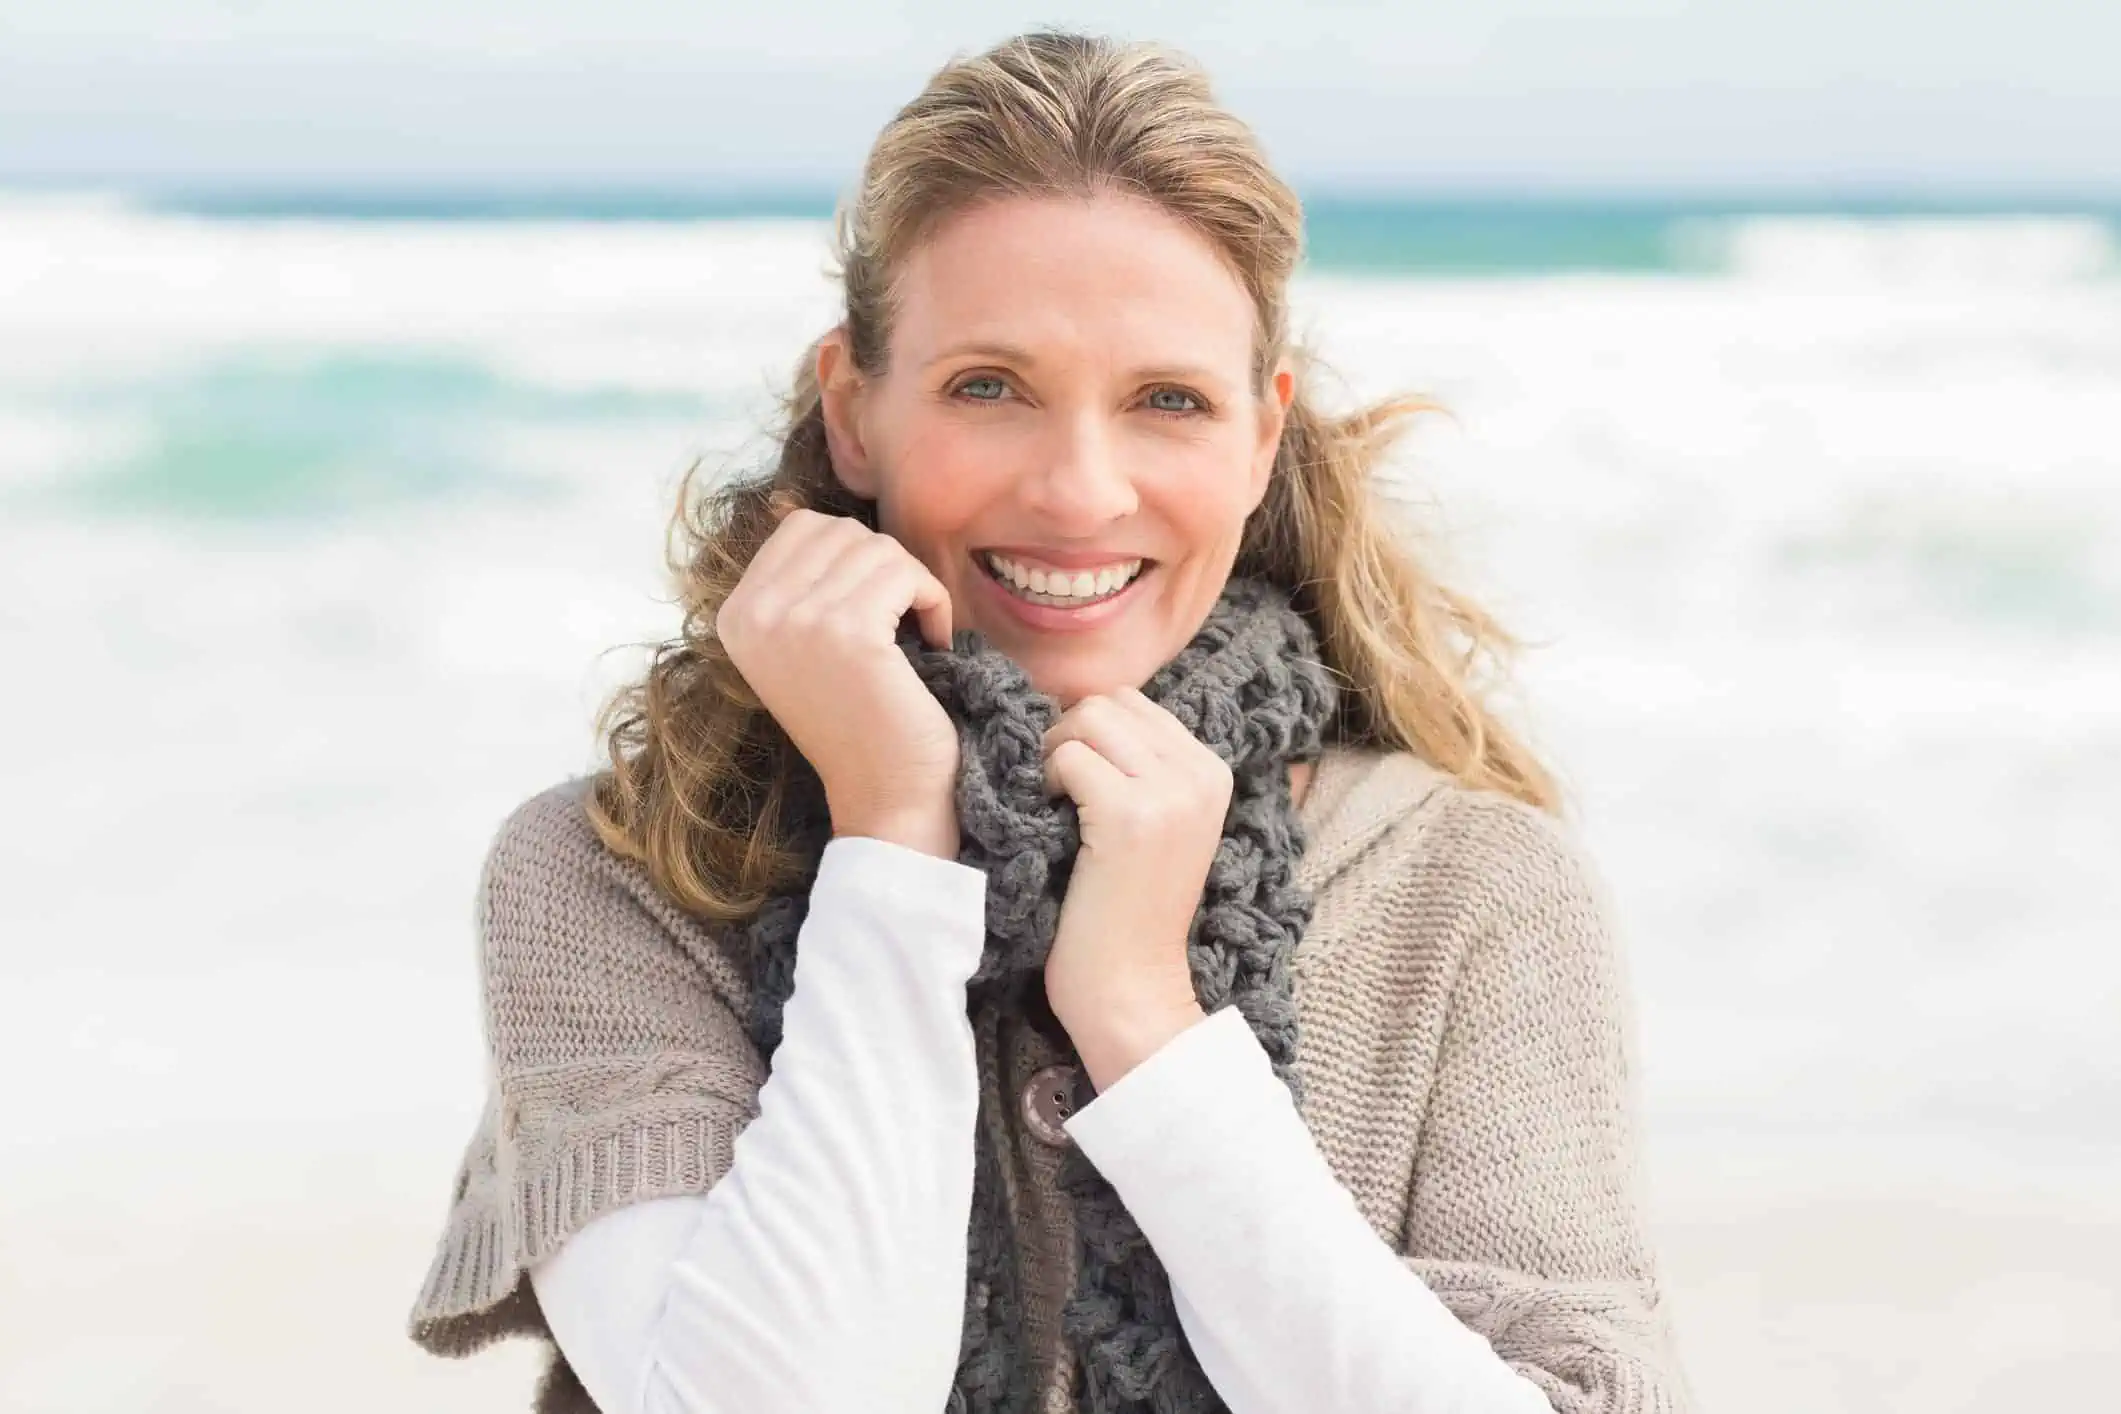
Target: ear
pixel 840 391
pixel 1273 416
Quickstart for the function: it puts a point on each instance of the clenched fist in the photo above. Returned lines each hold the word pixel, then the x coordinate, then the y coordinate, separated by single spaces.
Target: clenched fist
pixel 1152 800
pixel 812 626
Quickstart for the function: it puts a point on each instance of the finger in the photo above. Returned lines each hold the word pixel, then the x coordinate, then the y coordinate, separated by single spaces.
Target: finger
pixel 1110 730
pixel 915 590
pixel 782 579
pixel 1180 751
pixel 883 582
pixel 931 607
pixel 758 590
pixel 1077 770
pixel 809 549
pixel 1161 725
pixel 787 544
pixel 1159 732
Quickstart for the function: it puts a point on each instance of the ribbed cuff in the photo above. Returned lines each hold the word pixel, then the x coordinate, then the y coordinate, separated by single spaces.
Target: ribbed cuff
pixel 505 1222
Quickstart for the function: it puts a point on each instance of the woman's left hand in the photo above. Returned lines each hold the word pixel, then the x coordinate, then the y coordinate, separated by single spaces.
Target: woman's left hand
pixel 1152 800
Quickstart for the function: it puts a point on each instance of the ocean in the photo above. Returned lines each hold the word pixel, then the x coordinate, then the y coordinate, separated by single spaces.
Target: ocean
pixel 326 521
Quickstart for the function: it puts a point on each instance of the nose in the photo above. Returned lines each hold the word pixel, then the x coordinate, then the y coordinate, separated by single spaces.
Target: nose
pixel 1083 485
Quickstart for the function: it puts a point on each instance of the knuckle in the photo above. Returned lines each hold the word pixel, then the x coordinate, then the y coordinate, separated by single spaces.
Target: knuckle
pixel 1143 807
pixel 1148 828
pixel 1095 710
pixel 734 616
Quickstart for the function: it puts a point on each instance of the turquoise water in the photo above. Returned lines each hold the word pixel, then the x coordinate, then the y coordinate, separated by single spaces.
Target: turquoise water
pixel 1453 236
pixel 317 436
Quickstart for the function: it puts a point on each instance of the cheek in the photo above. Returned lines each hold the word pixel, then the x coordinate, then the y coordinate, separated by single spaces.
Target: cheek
pixel 1203 489
pixel 938 477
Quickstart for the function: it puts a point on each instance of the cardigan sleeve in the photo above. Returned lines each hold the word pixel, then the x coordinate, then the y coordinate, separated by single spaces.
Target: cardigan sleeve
pixel 618 1072
pixel 827 1268
pixel 1525 1281
pixel 1287 1297
pixel 1526 1214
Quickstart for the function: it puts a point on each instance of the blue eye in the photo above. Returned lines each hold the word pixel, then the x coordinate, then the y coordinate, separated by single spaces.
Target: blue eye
pixel 1192 404
pixel 971 383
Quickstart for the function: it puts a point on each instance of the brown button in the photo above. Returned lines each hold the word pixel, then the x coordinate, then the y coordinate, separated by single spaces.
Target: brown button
pixel 1049 1098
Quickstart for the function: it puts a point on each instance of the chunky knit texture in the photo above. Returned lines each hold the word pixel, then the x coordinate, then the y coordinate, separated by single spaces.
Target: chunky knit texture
pixel 1250 687
pixel 1464 1061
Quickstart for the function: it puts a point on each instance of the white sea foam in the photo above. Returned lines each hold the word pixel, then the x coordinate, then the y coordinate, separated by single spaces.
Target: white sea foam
pixel 1988 251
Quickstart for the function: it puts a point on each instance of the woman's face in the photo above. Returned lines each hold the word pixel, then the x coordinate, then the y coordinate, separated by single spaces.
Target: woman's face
pixel 1067 434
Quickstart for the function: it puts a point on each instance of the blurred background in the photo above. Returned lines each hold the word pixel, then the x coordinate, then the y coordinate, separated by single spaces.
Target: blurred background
pixel 348 359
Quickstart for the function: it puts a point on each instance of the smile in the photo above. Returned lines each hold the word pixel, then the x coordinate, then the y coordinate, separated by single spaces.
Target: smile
pixel 1059 588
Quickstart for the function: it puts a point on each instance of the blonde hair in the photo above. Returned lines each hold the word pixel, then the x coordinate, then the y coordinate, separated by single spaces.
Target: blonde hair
pixel 699 772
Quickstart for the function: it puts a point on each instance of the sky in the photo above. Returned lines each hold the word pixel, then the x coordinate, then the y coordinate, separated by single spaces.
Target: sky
pixel 1940 95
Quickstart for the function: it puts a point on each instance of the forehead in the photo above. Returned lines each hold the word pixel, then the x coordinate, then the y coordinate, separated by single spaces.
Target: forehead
pixel 1104 277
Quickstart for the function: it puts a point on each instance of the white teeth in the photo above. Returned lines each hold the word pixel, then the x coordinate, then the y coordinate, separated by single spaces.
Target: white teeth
pixel 1057 584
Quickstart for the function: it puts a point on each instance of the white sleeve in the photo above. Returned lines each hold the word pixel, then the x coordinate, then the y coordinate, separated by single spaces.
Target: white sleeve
pixel 826 1269
pixel 1286 1294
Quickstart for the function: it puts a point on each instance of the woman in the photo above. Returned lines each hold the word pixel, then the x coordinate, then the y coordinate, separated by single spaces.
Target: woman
pixel 1065 844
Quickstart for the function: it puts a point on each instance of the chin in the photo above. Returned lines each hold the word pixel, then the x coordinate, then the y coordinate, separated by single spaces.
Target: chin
pixel 1070 683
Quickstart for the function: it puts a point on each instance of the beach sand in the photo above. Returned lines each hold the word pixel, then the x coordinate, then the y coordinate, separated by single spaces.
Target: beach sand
pixel 212 1272
pixel 1831 1275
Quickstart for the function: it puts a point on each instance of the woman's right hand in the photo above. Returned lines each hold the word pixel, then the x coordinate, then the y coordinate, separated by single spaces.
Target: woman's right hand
pixel 812 625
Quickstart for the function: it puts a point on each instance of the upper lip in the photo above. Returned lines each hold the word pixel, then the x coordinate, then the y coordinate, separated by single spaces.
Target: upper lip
pixel 1062 559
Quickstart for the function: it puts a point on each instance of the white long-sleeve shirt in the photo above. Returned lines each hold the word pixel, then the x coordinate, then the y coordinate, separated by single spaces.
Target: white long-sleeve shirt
pixel 826 1270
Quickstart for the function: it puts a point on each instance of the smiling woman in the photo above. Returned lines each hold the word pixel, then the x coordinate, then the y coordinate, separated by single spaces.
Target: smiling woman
pixel 1067 845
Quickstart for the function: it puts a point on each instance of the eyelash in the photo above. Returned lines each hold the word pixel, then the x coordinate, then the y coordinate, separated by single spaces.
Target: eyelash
pixel 1201 406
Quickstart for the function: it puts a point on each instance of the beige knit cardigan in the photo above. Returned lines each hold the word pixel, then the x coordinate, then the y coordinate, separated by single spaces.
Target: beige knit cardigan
pixel 1466 1046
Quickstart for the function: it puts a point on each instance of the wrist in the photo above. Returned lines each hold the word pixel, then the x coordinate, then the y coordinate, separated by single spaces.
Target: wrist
pixel 1114 1035
pixel 931 828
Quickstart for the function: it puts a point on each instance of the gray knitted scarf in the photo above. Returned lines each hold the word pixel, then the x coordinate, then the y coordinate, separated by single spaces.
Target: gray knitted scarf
pixel 1250 686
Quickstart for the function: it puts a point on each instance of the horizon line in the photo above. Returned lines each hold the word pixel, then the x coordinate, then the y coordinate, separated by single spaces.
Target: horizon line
pixel 804 194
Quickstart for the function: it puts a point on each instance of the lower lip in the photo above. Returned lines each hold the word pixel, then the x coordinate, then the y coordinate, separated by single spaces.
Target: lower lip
pixel 1048 618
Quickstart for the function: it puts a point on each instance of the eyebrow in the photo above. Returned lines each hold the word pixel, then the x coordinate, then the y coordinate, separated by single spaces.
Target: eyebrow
pixel 1011 353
